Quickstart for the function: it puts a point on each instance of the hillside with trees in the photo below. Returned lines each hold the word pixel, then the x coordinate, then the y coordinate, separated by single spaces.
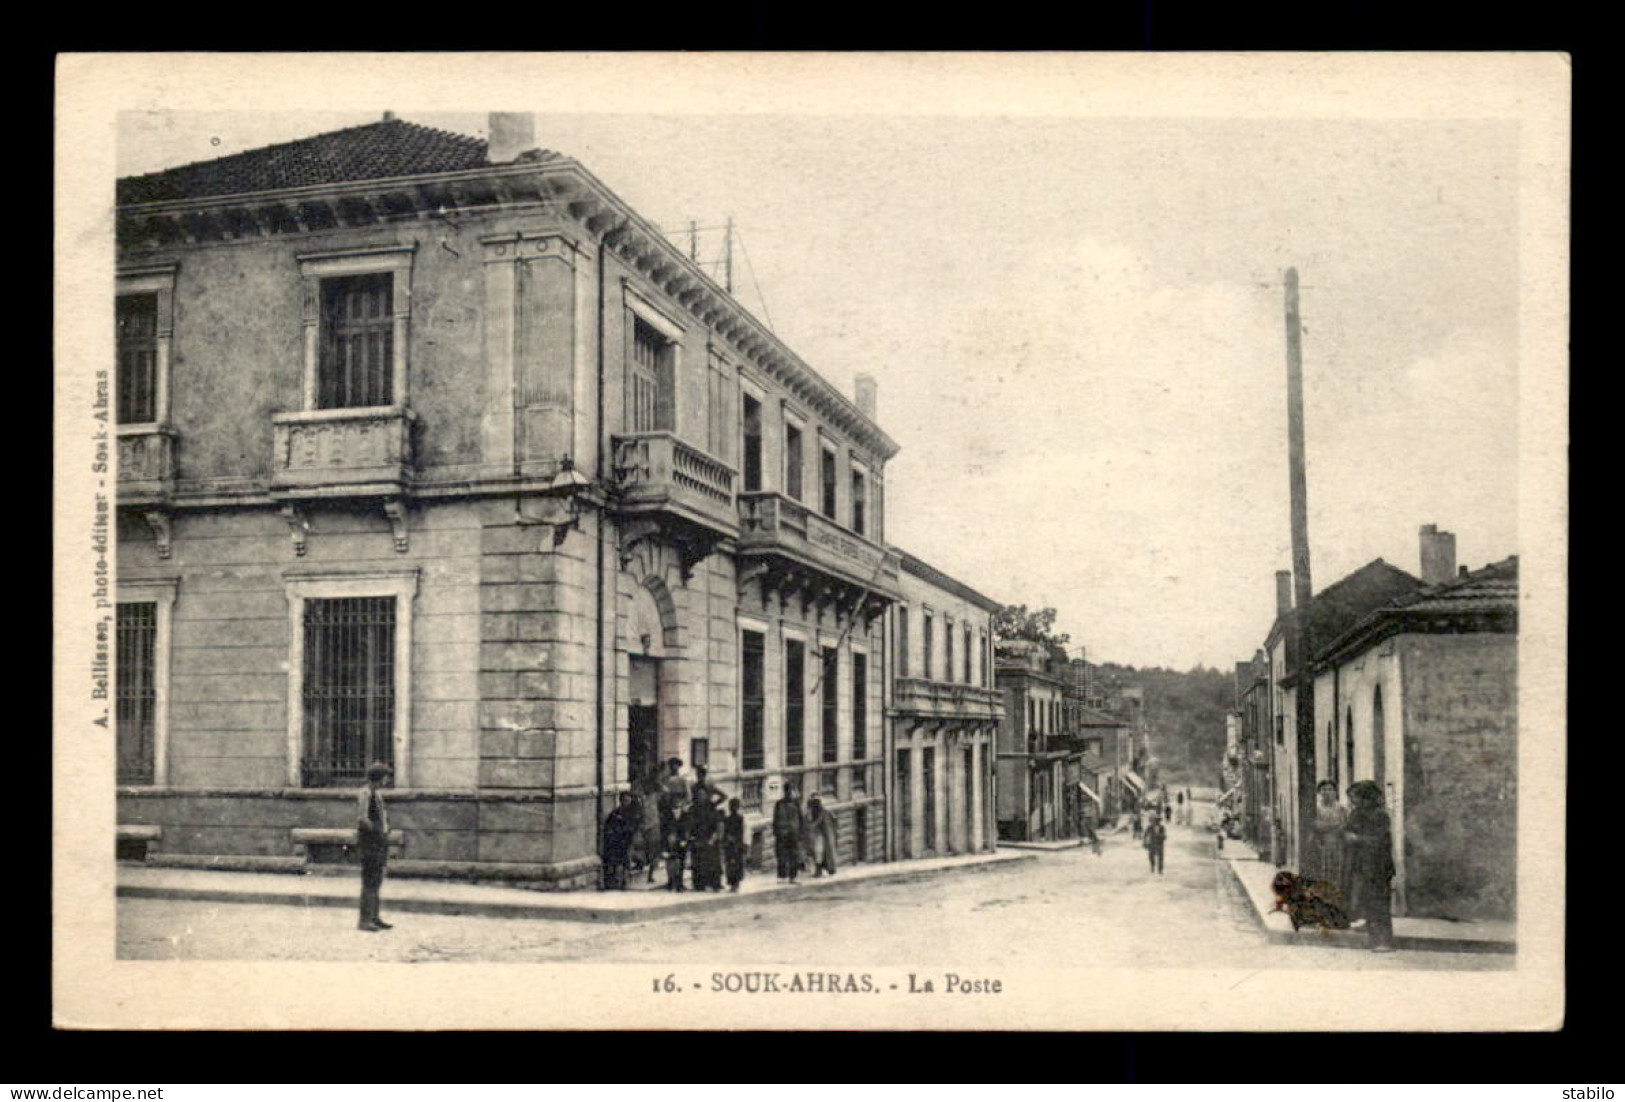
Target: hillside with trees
pixel 1186 712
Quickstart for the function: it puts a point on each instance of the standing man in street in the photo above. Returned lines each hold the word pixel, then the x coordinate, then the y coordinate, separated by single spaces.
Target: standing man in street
pixel 1155 836
pixel 372 829
pixel 789 827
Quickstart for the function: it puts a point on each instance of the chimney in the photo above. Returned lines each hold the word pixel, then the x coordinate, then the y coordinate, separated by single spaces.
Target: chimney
pixel 1438 555
pixel 867 391
pixel 1283 592
pixel 389 116
pixel 512 133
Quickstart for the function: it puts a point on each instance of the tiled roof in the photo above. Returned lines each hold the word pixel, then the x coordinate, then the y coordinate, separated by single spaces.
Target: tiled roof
pixel 1482 600
pixel 1345 602
pixel 1491 589
pixel 373 151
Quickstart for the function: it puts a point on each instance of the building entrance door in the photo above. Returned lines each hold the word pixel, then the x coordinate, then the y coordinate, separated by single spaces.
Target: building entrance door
pixel 643 723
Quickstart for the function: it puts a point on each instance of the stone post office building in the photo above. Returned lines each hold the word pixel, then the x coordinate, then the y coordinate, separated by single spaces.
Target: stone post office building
pixel 433 451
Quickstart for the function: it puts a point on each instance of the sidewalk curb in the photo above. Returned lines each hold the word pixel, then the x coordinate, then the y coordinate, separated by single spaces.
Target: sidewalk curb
pixel 1277 929
pixel 550 906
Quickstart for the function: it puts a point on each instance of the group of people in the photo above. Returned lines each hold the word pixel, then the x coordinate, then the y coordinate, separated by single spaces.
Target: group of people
pixel 681 825
pixel 1348 865
pixel 674 824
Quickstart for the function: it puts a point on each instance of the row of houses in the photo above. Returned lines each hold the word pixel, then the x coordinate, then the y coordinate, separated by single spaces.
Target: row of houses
pixel 1070 748
pixel 431 450
pixel 1415 688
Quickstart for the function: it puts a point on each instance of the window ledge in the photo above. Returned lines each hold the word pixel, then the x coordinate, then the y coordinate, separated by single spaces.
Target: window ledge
pixel 348 413
pixel 146 428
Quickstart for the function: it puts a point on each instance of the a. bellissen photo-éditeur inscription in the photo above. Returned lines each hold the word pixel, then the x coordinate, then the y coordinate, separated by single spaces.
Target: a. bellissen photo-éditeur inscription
pixel 497 582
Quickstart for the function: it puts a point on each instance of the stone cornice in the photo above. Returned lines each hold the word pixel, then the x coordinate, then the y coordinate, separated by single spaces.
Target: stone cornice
pixel 560 185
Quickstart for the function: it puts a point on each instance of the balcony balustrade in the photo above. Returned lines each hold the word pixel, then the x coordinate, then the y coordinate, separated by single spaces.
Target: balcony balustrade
pixel 146 464
pixel 660 474
pixel 342 452
pixel 948 700
pixel 774 525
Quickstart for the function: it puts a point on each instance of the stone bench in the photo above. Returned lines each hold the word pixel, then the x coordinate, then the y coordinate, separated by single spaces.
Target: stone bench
pixel 134 841
pixel 331 845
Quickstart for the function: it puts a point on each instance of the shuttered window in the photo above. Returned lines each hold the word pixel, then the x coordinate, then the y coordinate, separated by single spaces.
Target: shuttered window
pixel 137 359
pixel 135 686
pixel 356 367
pixel 349 689
pixel 795 702
pixel 860 706
pixel 752 675
pixel 831 701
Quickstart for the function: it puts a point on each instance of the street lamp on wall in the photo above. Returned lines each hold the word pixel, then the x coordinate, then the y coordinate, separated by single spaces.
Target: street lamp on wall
pixel 561 503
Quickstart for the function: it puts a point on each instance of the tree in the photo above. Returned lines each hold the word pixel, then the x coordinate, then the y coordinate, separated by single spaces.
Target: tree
pixel 1012 622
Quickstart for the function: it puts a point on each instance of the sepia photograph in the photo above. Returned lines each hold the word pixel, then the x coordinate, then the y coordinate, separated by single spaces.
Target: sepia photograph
pixel 978 541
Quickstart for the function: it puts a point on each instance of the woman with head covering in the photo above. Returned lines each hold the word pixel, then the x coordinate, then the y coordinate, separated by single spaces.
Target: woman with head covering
pixel 1370 863
pixel 1325 858
pixel 821 837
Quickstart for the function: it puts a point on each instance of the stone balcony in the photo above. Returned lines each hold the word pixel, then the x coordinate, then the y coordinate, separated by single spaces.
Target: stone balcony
pixel 342 453
pixel 660 475
pixel 146 464
pixel 812 552
pixel 917 696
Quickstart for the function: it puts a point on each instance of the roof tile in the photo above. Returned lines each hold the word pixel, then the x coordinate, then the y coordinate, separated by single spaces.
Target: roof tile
pixel 373 151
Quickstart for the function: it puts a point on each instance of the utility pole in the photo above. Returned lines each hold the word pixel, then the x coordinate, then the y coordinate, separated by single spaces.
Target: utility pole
pixel 1302 587
pixel 728 254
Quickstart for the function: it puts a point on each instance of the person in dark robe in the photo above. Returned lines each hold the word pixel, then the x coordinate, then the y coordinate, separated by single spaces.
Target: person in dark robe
pixel 789 828
pixel 1155 836
pixel 620 828
pixel 734 845
pixel 1370 864
pixel 820 837
pixel 704 841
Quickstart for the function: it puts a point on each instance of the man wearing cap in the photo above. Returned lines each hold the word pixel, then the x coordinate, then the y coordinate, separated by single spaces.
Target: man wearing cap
pixel 372 828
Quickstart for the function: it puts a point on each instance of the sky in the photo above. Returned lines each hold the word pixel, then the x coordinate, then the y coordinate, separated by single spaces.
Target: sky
pixel 1077 329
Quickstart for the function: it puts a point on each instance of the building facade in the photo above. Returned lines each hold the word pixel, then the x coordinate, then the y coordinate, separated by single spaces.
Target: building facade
pixel 1039 762
pixel 1422 695
pixel 433 451
pixel 1415 688
pixel 944 715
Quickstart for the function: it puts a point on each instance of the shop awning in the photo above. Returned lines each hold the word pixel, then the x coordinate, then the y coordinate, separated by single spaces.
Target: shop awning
pixel 1134 780
pixel 1087 791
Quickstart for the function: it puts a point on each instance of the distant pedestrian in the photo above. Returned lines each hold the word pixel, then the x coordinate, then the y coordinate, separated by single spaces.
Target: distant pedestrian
pixel 620 829
pixel 789 827
pixel 1136 824
pixel 1370 864
pixel 1156 835
pixel 820 837
pixel 372 831
pixel 733 845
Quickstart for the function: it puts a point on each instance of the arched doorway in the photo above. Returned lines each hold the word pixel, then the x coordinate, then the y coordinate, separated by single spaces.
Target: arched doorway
pixel 650 631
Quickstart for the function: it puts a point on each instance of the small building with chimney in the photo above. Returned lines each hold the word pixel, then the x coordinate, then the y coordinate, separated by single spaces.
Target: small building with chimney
pixel 1420 696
